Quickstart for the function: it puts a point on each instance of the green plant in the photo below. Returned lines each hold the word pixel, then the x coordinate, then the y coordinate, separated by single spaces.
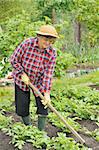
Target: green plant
pixel 79 100
pixel 95 134
pixel 21 134
pixel 56 122
pixel 63 143
pixel 5 67
pixel 63 61
pixel 6 99
pixel 4 121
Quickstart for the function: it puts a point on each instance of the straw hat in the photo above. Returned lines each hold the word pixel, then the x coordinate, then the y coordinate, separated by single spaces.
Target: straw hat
pixel 47 30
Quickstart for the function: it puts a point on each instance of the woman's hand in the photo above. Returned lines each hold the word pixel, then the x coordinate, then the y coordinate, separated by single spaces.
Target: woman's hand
pixel 25 78
pixel 46 100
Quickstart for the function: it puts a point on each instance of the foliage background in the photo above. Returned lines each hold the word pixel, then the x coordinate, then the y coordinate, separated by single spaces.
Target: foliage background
pixel 76 22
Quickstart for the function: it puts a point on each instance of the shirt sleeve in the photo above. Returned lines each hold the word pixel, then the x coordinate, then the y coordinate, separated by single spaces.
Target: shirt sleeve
pixel 48 74
pixel 17 57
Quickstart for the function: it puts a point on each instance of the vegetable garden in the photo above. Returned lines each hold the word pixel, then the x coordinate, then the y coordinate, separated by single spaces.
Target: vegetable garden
pixel 75 90
pixel 75 101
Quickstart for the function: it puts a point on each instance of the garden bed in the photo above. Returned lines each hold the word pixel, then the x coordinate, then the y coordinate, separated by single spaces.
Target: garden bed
pixel 51 132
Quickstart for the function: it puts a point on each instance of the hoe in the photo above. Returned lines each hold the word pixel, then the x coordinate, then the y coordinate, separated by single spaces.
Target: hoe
pixel 57 113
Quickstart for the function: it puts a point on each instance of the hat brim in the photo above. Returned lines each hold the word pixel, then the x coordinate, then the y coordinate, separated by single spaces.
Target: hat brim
pixel 47 34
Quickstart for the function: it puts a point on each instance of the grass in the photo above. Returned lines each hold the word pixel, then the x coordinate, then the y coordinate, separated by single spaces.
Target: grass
pixel 84 79
pixel 7 92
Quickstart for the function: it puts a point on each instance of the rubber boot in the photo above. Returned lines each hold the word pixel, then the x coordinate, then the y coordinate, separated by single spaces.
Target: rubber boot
pixel 41 122
pixel 26 120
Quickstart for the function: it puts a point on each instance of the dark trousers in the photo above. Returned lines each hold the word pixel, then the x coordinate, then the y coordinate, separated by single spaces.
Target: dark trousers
pixel 22 103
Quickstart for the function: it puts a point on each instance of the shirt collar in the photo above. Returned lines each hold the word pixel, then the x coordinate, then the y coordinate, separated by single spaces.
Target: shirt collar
pixel 36 42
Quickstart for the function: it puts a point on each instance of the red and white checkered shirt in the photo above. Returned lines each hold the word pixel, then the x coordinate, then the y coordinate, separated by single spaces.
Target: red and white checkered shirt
pixel 37 64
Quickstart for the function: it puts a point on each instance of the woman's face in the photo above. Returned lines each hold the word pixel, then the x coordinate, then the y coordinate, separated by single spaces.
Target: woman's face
pixel 45 41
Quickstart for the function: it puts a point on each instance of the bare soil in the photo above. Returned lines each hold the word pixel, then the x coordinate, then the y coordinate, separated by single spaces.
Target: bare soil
pixel 91 126
pixel 94 87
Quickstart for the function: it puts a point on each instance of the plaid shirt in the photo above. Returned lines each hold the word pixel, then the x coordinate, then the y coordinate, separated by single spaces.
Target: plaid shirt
pixel 37 64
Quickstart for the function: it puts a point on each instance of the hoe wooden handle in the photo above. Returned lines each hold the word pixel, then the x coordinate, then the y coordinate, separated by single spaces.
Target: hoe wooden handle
pixel 57 113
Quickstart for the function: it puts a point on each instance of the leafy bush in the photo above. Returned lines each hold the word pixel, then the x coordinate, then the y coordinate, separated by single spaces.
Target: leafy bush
pixel 63 61
pixel 14 31
pixel 5 67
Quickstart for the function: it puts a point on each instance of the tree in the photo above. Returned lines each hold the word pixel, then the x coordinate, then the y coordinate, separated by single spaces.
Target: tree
pixel 83 13
pixel 86 12
pixel 11 8
pixel 52 7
